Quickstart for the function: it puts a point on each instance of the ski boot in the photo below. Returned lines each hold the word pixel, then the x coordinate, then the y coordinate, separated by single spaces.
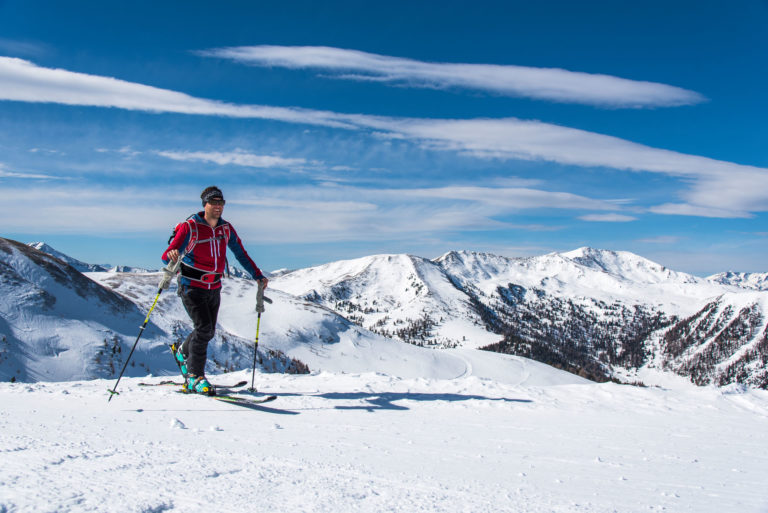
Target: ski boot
pixel 199 385
pixel 180 360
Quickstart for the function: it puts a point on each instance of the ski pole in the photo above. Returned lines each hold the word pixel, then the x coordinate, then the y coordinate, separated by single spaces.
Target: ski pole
pixel 260 299
pixel 169 271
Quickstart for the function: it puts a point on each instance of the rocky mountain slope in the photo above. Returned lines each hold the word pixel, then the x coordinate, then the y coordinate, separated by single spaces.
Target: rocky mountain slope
pixel 601 314
pixel 57 324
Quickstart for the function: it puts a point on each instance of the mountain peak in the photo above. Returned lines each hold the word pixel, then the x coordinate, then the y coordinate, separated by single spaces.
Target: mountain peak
pixel 77 264
pixel 626 265
pixel 752 281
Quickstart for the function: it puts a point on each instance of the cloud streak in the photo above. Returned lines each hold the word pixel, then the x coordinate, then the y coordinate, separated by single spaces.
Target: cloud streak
pixel 291 214
pixel 551 84
pixel 710 188
pixel 607 218
pixel 23 81
pixel 238 158
pixel 4 173
pixel 715 188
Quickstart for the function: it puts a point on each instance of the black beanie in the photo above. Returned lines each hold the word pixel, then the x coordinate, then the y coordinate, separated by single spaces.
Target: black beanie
pixel 210 193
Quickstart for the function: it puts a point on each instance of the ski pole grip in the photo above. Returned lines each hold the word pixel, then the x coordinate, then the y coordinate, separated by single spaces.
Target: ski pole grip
pixel 260 297
pixel 169 271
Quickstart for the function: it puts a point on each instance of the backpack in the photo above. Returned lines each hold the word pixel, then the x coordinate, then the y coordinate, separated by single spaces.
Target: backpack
pixel 192 233
pixel 193 239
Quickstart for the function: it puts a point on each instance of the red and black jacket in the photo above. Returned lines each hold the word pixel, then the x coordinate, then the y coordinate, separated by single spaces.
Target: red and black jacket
pixel 205 251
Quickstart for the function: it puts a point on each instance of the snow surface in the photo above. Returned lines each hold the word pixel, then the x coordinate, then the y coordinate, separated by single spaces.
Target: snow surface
pixel 378 425
pixel 372 443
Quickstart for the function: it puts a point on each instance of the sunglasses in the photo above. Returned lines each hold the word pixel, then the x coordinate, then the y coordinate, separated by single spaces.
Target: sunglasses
pixel 217 203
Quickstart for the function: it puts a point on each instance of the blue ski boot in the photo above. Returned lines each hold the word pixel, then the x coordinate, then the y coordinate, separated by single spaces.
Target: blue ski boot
pixel 180 360
pixel 199 385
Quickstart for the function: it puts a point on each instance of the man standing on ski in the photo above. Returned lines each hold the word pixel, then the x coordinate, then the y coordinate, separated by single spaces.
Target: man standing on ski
pixel 202 241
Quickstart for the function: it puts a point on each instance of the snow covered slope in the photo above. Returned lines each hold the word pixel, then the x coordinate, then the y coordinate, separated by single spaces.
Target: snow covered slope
pixel 590 311
pixel 725 342
pixel 427 301
pixel 600 314
pixel 56 324
pixel 324 340
pixel 401 296
pixel 585 274
pixel 752 281
pixel 374 443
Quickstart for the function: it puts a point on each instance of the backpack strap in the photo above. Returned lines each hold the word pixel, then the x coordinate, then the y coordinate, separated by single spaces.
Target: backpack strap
pixel 192 234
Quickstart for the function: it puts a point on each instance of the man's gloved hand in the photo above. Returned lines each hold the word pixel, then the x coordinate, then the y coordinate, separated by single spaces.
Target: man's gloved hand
pixel 260 295
pixel 165 281
pixel 169 271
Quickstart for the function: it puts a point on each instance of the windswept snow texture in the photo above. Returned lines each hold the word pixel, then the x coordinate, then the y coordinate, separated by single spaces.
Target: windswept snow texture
pixel 374 443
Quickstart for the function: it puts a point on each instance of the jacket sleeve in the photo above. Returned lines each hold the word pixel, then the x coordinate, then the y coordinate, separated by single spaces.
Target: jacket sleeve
pixel 180 240
pixel 236 246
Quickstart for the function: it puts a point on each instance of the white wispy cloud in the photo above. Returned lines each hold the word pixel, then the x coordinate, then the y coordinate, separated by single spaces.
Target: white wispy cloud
pixel 710 188
pixel 661 239
pixel 511 199
pixel 288 214
pixel 5 173
pixel 21 47
pixel 540 83
pixel 608 218
pixel 21 80
pixel 237 157
pixel 687 209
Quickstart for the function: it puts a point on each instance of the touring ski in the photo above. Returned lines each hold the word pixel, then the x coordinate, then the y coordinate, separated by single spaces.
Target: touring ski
pixel 239 384
pixel 245 400
pixel 233 399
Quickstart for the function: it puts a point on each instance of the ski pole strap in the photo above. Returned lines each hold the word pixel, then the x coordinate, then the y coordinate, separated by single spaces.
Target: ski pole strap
pixel 260 297
pixel 170 270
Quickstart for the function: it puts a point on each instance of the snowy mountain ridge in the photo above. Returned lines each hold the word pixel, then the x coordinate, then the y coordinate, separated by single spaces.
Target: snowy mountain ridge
pixel 84 267
pixel 77 264
pixel 47 334
pixel 752 281
pixel 595 312
pixel 602 314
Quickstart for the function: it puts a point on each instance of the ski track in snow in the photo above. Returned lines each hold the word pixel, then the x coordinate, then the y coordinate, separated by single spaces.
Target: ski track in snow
pixel 372 442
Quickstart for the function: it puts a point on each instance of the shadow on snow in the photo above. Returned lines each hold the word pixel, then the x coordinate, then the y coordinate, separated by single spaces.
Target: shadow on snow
pixel 386 401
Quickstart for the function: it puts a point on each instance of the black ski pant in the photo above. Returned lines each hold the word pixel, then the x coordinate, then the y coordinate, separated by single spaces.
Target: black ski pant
pixel 202 305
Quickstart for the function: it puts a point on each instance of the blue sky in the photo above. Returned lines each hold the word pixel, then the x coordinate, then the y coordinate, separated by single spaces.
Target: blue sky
pixel 344 129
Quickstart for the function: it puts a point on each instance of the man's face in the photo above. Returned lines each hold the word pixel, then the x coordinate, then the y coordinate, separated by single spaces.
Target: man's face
pixel 214 208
